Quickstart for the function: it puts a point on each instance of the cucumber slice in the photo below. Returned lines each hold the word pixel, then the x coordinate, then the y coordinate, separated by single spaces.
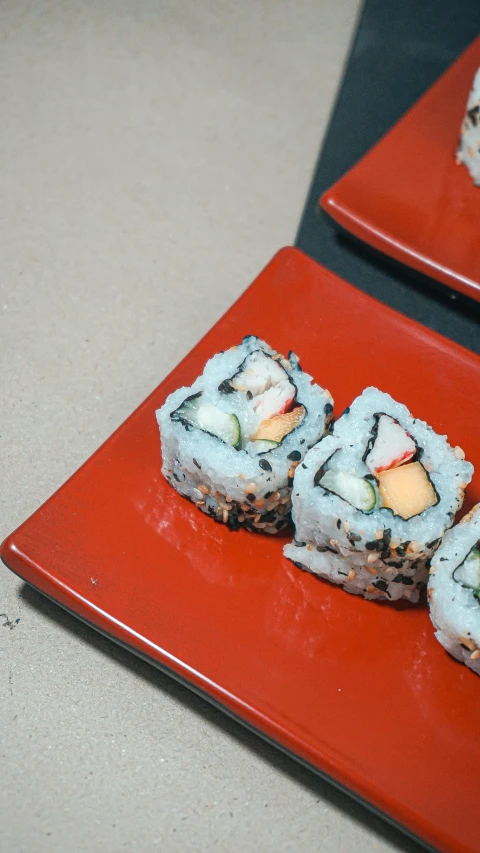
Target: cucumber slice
pixel 355 490
pixel 468 572
pixel 218 423
pixel 197 413
pixel 262 445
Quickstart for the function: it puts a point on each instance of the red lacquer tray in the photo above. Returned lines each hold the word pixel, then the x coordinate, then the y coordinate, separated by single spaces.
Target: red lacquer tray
pixel 362 692
pixel 407 197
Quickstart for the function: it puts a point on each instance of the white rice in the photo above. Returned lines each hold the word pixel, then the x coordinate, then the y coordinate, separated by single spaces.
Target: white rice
pixel 454 610
pixel 360 550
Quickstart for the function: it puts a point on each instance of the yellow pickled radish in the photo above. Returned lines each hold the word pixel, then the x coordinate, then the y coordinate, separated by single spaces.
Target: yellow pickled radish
pixel 406 490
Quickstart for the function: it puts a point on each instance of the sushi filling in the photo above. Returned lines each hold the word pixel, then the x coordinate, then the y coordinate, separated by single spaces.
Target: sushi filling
pixel 262 399
pixel 195 412
pixel 467 574
pixel 397 481
pixel 359 492
pixel 390 445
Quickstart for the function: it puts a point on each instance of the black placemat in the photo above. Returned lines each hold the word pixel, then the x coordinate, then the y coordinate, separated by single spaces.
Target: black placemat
pixel 399 50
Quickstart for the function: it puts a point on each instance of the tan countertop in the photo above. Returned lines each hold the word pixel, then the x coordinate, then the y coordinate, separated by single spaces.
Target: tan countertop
pixel 154 156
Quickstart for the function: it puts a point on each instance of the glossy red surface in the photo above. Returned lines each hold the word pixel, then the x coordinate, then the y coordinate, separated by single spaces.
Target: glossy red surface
pixel 407 197
pixel 360 690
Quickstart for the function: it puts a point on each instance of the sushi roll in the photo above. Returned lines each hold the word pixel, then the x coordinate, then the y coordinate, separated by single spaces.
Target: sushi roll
pixel 372 500
pixel 468 151
pixel 454 591
pixel 231 442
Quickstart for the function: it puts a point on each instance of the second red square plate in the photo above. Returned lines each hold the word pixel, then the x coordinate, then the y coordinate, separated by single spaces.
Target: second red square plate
pixel 360 691
pixel 407 197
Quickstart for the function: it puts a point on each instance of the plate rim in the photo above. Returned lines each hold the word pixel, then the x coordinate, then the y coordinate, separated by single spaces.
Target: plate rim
pixel 378 237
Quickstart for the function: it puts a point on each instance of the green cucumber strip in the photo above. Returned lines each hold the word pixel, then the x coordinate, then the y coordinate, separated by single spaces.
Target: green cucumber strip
pixel 238 443
pixel 355 490
pixel 210 419
pixel 219 423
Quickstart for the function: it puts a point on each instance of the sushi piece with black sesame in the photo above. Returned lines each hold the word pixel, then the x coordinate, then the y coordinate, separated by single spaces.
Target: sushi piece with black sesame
pixel 454 591
pixel 232 441
pixel 375 498
pixel 468 151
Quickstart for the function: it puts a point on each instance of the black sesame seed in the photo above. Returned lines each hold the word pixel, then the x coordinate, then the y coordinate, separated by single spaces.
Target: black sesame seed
pixel 339 523
pixel 328 409
pixel 225 387
pixel 290 482
pixel 473 114
pixel 251 497
pixel 442 559
pixel 295 456
pixel 197 464
pixel 302 441
pixel 371 546
pixel 175 477
pixel 264 465
pixel 407 581
pixel 343 573
pixel 397 579
pixel 249 396
pixel 382 585
pixel 304 466
pixel 280 524
pixel 299 544
pixel 396 564
pixel 354 537
pixel 299 565
pixel 269 517
pixel 385 554
pixel 268 495
pixel 433 543
pixel 346 411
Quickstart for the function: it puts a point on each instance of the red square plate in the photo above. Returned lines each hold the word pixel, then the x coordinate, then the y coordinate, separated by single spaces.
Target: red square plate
pixel 362 692
pixel 407 197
